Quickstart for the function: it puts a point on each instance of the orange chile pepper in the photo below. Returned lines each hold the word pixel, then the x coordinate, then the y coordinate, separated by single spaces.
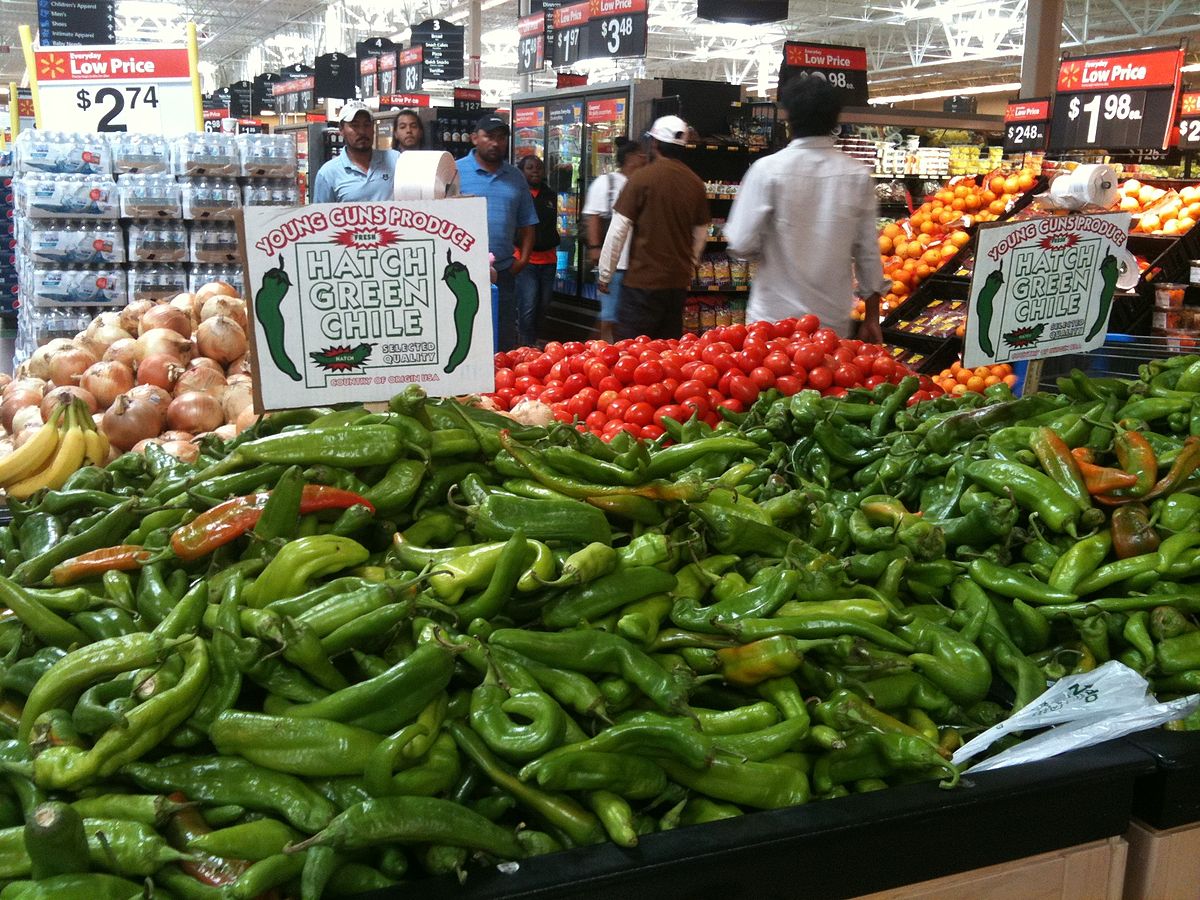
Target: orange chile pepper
pixel 1132 533
pixel 1084 455
pixel 230 520
pixel 1104 480
pixel 123 557
pixel 1136 457
pixel 1185 465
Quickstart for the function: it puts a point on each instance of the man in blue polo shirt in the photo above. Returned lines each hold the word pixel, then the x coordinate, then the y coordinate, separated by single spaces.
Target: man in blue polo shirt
pixel 359 172
pixel 510 215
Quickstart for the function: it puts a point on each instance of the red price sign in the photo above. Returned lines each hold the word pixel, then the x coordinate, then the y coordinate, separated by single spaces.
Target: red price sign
pixel 1189 121
pixel 531 43
pixel 1025 125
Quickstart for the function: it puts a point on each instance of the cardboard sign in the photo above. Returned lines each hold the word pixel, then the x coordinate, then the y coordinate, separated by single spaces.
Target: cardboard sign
pixel 140 87
pixel 1025 125
pixel 843 67
pixel 1117 101
pixel 349 302
pixel 1043 287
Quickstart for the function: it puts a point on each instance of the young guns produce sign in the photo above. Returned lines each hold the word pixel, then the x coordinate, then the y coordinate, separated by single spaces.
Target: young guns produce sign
pixel 1044 287
pixel 350 302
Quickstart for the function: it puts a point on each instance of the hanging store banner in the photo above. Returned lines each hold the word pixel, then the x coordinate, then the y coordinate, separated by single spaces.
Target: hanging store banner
pixel 1044 287
pixel 264 97
pixel 1189 121
pixel 350 302
pixel 757 13
pixel 411 69
pixel 444 43
pixel 570 34
pixel 387 73
pixel 617 28
pixel 531 43
pixel 843 67
pixel 150 88
pixel 241 99
pixel 1026 125
pixel 75 22
pixel 335 76
pixel 1118 101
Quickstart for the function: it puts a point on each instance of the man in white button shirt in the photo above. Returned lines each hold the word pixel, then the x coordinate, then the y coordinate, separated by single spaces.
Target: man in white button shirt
pixel 808 214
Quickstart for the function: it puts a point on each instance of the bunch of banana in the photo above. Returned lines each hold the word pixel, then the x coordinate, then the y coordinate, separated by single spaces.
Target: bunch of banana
pixel 66 442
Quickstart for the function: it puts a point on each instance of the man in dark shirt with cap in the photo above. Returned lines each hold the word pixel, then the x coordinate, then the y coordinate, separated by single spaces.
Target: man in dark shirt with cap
pixel 511 216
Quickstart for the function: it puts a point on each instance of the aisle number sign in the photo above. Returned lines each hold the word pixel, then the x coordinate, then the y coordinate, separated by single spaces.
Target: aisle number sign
pixel 1043 287
pixel 149 88
pixel 350 302
pixel 1189 122
pixel 1119 101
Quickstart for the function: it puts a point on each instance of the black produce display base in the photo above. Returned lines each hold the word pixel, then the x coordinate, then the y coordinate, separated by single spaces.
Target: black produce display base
pixel 847 847
pixel 1169 796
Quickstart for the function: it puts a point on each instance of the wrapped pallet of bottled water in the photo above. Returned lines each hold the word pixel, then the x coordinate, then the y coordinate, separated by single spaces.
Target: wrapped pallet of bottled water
pixel 203 154
pixel 44 196
pixel 213 243
pixel 64 242
pixel 50 285
pixel 211 198
pixel 270 192
pixel 156 282
pixel 268 155
pixel 202 275
pixel 150 197
pixel 158 242
pixel 37 326
pixel 62 153
pixel 139 154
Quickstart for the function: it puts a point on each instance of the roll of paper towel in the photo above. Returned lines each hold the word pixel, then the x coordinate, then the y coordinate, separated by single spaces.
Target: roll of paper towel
pixel 1089 185
pixel 425 175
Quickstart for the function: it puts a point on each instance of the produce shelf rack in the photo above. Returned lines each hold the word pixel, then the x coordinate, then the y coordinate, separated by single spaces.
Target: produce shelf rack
pixel 845 847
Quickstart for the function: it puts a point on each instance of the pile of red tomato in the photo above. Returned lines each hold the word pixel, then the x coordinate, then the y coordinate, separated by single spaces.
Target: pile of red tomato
pixel 631 385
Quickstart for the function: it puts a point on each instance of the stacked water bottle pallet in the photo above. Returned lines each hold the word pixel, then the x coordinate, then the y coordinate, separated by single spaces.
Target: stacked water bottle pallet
pixel 105 219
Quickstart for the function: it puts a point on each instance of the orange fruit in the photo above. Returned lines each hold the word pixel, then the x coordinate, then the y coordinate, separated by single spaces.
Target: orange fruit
pixel 996 207
pixel 982 371
pixel 990 380
pixel 975 383
pixel 958 390
pixel 964 375
pixel 954 367
pixel 1026 179
pixel 960 238
pixel 885 244
pixel 1010 380
pixel 931 257
pixel 899 288
pixel 987 197
pixel 1012 184
pixel 997 184
pixel 1000 370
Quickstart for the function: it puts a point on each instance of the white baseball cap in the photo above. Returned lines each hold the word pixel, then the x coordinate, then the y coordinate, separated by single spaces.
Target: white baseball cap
pixel 669 130
pixel 352 109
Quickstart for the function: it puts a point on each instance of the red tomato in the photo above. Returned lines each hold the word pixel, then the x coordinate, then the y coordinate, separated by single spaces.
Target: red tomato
pixel 710 353
pixel 575 383
pixel 670 384
pixel 552 393
pixel 714 397
pixel 506 396
pixel 672 411
pixel 571 348
pixel 696 405
pixel 541 366
pixel 827 339
pixel 820 377
pixel 624 368
pixel 763 377
pixel 883 366
pixel 735 336
pixel 652 432
pixel 744 390
pixel 848 375
pixel 560 370
pixel 635 392
pixel 640 414
pixel 864 363
pixel 919 397
pixel 501 360
pixel 843 355
pixel 690 388
pixel 809 356
pixel 648 372
pixel 616 409
pixel 723 382
pixel 658 394
pixel 784 328
pixel 524 382
pixel 603 398
pixel 534 390
pixel 608 354
pixel 521 368
pixel 579 407
pixel 671 369
pixel 579 363
pixel 854 345
pixel 733 405
pixel 707 374
pixel 610 383
pixel 747 361
pixel 777 361
pixel 595 420
pixel 834 392
pixel 757 346
pixel 807 324
pixel 790 384
pixel 596 372
pixel 873 381
pixel 723 362
pixel 504 378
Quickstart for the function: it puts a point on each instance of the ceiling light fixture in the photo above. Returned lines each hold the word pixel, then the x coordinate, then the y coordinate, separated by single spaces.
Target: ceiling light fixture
pixel 950 92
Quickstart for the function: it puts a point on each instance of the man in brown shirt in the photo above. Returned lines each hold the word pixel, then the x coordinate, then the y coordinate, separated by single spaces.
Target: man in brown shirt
pixel 664 205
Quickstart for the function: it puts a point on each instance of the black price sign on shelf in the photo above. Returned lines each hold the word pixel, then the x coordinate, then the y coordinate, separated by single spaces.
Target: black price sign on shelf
pixel 843 67
pixel 410 70
pixel 387 73
pixel 1025 124
pixel 617 28
pixel 1122 101
pixel 531 43
pixel 1189 122
pixel 570 34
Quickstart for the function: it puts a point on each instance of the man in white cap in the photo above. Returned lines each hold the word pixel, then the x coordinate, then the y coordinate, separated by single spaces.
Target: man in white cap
pixel 664 206
pixel 359 172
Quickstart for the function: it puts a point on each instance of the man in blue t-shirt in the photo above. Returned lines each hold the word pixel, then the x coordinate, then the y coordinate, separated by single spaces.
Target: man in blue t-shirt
pixel 360 172
pixel 510 214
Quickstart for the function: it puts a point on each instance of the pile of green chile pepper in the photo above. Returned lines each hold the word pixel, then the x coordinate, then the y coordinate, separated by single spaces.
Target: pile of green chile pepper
pixel 350 648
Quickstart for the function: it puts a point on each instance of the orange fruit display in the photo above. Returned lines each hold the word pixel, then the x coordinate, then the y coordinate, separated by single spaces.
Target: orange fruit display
pixel 957 380
pixel 1158 210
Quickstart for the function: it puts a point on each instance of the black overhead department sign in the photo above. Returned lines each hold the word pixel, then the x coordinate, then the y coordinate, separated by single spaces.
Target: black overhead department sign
pixel 88 22
pixel 443 44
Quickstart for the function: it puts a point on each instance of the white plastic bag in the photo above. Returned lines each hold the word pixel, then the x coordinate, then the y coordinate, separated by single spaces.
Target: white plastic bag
pixel 1111 695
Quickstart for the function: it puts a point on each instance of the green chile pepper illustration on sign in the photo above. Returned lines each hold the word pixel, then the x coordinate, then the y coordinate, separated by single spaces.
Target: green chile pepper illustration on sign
pixel 466 306
pixel 267 303
pixel 1110 270
pixel 984 309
